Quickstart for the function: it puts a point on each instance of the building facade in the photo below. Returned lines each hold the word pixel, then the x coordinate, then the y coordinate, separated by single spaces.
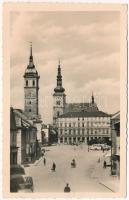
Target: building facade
pixel 76 127
pixel 45 133
pixel 115 123
pixel 26 138
pixel 13 138
pixel 59 97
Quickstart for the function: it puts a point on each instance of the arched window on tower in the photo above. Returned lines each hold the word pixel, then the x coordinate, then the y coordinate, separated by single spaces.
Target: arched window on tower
pixel 26 82
pixel 33 83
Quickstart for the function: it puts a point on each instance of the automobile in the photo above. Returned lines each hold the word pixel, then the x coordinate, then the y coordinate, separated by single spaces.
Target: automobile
pixel 95 147
pixel 17 169
pixel 106 147
pixel 21 183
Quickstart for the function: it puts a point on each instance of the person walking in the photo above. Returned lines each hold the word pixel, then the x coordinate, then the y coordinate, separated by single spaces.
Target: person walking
pixel 54 167
pixel 104 164
pixel 44 161
pixel 67 188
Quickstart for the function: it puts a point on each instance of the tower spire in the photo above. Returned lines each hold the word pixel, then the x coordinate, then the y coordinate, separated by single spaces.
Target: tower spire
pixel 59 87
pixel 92 97
pixel 31 49
pixel 31 64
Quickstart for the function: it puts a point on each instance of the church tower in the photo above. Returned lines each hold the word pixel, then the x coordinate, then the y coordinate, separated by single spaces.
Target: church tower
pixel 59 97
pixel 31 88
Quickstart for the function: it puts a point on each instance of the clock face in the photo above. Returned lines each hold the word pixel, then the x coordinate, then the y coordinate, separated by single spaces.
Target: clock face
pixel 30 94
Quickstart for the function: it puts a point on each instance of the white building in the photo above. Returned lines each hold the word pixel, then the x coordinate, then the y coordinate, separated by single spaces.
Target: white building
pixel 75 127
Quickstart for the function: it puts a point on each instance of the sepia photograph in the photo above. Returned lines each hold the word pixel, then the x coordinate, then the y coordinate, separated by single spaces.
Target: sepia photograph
pixel 65 100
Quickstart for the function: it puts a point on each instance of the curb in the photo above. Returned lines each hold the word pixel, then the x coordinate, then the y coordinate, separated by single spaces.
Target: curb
pixel 106 186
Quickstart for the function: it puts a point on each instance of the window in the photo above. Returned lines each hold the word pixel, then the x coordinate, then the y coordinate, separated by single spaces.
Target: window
pixel 58 102
pixel 29 102
pixel 58 113
pixel 82 124
pixel 33 83
pixel 27 83
pixel 69 132
pixel 69 124
pixel 29 110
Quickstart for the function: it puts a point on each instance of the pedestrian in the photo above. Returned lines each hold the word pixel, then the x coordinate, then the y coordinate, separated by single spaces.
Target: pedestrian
pixel 44 161
pixel 53 166
pixel 67 188
pixel 104 164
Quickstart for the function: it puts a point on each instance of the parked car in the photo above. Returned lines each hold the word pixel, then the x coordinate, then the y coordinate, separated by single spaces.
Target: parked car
pixel 17 169
pixel 95 147
pixel 105 147
pixel 21 183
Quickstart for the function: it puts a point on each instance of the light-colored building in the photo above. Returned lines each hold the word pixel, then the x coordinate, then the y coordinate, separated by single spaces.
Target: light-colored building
pixel 45 133
pixel 75 127
pixel 77 122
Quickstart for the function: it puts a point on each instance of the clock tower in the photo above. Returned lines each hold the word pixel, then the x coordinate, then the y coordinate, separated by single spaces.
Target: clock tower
pixel 31 88
pixel 59 97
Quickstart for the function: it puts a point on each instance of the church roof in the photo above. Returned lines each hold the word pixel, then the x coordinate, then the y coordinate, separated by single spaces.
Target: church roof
pixel 84 114
pixel 81 107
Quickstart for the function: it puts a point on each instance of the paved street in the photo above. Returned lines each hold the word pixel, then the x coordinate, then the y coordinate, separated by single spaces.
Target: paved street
pixel 80 178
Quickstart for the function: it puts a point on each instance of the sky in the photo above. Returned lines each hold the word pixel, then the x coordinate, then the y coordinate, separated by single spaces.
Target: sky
pixel 88 46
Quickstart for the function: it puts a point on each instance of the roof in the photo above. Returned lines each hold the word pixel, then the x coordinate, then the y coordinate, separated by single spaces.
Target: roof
pixel 84 114
pixel 116 115
pixel 25 121
pixel 70 107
